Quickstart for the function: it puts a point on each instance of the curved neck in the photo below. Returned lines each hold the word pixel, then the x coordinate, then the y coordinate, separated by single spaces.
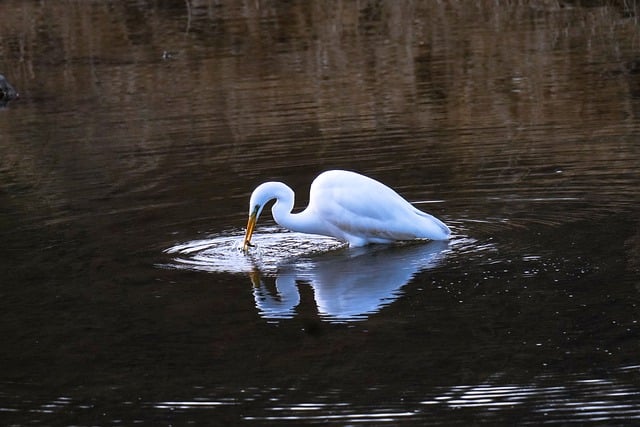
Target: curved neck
pixel 304 222
pixel 300 222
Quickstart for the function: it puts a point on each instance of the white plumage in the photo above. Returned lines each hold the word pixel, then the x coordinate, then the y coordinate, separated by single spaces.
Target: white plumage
pixel 349 207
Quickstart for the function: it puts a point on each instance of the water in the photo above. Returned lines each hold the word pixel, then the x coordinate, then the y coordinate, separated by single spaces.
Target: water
pixel 348 283
pixel 142 127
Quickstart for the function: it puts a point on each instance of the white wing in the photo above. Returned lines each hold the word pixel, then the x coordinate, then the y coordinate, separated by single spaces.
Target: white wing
pixel 360 209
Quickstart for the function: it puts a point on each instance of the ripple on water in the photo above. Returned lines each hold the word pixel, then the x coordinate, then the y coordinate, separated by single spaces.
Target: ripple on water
pixel 275 246
pixel 272 246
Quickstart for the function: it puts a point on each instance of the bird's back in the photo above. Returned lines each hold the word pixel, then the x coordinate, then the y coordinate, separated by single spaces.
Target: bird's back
pixel 362 210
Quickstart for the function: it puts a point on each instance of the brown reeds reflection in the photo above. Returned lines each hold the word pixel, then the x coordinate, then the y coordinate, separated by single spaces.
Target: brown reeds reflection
pixel 443 91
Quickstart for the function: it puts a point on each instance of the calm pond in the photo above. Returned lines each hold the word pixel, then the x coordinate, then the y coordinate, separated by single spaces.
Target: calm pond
pixel 142 127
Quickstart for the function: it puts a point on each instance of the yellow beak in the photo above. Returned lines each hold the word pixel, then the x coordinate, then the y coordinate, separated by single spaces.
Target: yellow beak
pixel 253 218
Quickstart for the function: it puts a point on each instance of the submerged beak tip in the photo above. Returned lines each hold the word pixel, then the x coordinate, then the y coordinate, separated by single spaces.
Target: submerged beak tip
pixel 247 237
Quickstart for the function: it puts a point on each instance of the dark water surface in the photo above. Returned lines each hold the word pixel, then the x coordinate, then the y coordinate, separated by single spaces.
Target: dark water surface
pixel 143 126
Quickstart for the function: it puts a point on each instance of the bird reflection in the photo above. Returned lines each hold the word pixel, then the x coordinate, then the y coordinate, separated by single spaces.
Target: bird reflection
pixel 348 285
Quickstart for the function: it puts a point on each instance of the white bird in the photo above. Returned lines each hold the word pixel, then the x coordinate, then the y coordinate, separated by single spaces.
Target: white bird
pixel 349 207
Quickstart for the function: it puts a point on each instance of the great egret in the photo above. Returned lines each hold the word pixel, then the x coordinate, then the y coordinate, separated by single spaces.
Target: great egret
pixel 349 207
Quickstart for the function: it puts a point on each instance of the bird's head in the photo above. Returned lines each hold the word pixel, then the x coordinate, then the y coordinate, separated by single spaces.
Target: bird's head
pixel 259 198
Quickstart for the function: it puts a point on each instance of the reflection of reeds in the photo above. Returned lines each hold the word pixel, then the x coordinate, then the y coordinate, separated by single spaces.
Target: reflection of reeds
pixel 341 58
pixel 456 77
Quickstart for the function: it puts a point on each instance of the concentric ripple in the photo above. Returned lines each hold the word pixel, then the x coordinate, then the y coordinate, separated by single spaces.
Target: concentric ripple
pixel 223 253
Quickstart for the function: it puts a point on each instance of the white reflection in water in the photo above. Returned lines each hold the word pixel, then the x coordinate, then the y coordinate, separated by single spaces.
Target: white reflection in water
pixel 191 404
pixel 565 399
pixel 579 400
pixel 348 283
